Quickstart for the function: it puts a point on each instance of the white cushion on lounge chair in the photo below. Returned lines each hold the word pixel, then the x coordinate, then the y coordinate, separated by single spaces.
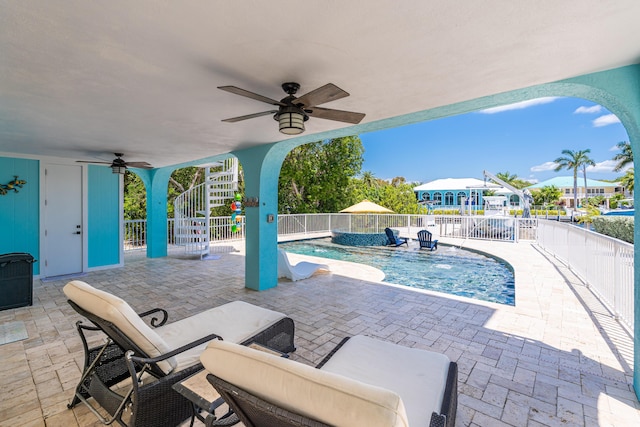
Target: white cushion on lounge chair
pixel 117 311
pixel 396 368
pixel 235 322
pixel 323 396
pixel 301 270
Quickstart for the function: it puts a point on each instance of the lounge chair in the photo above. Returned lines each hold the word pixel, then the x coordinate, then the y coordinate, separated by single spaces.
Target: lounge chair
pixel 425 238
pixel 363 382
pixel 301 270
pixel 163 355
pixel 393 239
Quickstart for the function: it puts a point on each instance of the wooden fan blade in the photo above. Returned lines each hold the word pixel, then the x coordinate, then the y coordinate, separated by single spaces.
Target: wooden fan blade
pixel 249 116
pixel 243 92
pixel 141 165
pixel 91 161
pixel 326 93
pixel 338 115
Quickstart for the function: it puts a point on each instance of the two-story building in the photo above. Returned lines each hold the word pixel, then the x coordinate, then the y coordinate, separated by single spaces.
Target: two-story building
pixel 594 188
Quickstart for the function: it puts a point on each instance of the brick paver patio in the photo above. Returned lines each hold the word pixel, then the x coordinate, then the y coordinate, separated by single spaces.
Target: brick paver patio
pixel 558 358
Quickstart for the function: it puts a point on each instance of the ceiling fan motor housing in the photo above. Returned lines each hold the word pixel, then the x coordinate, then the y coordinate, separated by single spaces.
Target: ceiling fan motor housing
pixel 290 87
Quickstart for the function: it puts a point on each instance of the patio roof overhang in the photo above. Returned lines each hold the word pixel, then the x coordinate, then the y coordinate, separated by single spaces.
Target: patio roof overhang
pixel 82 80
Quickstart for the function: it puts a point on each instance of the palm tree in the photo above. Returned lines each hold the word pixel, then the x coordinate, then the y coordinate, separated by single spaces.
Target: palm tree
pixel 627 180
pixel 507 177
pixel 624 157
pixel 575 160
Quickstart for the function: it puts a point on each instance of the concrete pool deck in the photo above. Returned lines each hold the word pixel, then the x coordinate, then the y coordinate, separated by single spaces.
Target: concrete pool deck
pixel 556 358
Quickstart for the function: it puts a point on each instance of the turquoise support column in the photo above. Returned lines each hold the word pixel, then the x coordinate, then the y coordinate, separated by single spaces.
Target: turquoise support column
pixel 156 182
pixel 261 166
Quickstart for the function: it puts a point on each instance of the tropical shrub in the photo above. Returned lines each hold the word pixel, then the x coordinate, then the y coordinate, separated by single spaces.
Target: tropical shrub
pixel 619 227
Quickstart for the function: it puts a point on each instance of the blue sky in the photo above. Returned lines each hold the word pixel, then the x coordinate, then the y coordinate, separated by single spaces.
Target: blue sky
pixel 523 139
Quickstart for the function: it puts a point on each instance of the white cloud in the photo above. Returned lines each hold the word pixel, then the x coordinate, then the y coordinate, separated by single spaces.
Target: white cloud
pixel 588 110
pixel 603 167
pixel 608 119
pixel 606 166
pixel 546 166
pixel 519 105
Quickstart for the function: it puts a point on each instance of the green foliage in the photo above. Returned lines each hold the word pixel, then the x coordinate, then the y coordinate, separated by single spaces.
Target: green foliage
pixel 315 177
pixel 615 201
pixel 628 179
pixel 624 157
pixel 135 197
pixel 596 201
pixel 619 227
pixel 546 195
pixel 513 180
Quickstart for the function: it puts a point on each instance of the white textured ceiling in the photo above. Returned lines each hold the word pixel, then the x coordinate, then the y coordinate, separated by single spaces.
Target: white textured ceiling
pixel 82 79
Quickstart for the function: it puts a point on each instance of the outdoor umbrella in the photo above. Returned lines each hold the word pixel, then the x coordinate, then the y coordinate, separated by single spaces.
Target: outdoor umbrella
pixel 366 206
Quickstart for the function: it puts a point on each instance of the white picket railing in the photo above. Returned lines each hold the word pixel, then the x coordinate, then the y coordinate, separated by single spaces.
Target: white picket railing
pixel 472 227
pixel 603 263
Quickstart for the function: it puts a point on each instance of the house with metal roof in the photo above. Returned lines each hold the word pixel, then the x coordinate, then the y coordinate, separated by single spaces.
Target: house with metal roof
pixel 594 188
pixel 464 194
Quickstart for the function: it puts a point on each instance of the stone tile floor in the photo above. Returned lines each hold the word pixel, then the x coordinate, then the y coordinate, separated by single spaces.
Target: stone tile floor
pixel 558 358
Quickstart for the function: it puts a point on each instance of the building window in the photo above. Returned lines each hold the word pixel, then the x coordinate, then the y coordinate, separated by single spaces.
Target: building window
pixel 448 198
pixel 437 197
pixel 426 196
pixel 460 197
pixel 514 200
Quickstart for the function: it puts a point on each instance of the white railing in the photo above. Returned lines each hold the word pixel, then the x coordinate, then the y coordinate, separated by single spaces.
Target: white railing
pixel 605 264
pixel 472 227
pixel 135 232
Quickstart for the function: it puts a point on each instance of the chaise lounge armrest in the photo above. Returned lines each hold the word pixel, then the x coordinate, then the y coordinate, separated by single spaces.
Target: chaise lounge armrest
pixel 130 355
pixel 154 321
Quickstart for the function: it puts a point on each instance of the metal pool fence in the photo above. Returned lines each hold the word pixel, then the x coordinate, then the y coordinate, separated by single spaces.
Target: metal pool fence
pixel 603 263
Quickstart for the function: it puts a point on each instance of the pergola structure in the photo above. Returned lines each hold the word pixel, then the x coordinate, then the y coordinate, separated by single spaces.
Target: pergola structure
pixel 83 80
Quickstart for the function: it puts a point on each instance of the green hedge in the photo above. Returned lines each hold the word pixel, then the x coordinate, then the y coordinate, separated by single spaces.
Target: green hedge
pixel 617 227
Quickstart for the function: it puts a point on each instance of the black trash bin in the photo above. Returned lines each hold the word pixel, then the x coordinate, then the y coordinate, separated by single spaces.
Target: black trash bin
pixel 16 280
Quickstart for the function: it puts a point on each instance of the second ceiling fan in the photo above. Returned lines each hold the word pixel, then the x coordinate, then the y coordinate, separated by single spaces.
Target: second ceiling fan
pixel 293 111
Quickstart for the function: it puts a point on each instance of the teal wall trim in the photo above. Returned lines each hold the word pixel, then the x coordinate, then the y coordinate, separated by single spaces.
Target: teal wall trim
pixel 20 212
pixel 261 166
pixel 156 182
pixel 103 212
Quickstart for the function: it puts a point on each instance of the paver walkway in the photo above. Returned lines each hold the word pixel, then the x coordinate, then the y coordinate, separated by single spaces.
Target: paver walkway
pixel 555 359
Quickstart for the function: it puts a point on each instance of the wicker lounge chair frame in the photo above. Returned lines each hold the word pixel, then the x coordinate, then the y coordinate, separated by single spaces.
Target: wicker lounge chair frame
pixel 153 403
pixel 393 240
pixel 256 412
pixel 425 238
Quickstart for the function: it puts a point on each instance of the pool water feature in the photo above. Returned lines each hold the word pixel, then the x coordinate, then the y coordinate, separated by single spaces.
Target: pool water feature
pixel 449 269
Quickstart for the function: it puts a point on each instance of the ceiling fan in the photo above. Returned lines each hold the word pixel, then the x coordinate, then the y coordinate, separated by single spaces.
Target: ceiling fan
pixel 292 111
pixel 119 166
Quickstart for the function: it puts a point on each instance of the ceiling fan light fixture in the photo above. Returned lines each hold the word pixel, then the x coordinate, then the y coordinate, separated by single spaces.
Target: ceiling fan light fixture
pixel 118 166
pixel 291 120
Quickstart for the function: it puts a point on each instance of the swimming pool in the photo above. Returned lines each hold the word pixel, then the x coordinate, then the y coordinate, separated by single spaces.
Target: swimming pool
pixel 449 269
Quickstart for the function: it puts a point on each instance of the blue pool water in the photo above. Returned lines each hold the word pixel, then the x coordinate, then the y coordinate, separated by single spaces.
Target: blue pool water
pixel 449 269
